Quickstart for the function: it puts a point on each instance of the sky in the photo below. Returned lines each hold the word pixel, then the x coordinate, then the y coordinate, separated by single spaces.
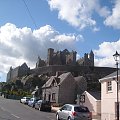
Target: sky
pixel 29 27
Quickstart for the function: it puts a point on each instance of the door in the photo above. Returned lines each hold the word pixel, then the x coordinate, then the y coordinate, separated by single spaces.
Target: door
pixel 61 112
pixel 64 113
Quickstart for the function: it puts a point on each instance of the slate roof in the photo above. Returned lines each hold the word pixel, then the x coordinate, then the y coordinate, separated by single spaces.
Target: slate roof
pixel 49 82
pixel 63 77
pixel 81 84
pixel 79 78
pixel 96 95
pixel 59 79
pixel 114 74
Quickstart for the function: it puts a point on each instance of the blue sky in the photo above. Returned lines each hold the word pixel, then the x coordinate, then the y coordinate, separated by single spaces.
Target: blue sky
pixel 29 27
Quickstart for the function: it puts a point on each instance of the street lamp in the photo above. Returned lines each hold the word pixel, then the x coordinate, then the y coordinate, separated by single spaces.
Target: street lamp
pixel 116 57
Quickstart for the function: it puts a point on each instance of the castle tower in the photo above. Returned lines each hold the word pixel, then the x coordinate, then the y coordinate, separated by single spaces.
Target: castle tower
pixel 50 56
pixel 38 62
pixel 91 57
pixel 86 60
pixel 74 56
pixel 9 74
pixel 71 58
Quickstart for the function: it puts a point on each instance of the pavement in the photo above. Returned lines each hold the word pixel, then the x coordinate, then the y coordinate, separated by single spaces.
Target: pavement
pixel 54 109
pixel 95 117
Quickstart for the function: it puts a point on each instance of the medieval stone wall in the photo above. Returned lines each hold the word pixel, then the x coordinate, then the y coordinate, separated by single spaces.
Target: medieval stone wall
pixel 77 70
pixel 61 57
pixel 19 71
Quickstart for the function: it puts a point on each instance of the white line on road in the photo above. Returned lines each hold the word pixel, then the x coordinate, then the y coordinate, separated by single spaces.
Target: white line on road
pixel 15 115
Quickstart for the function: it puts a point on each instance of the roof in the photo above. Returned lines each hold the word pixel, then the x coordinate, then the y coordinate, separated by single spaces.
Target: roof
pixel 49 82
pixel 79 78
pixel 33 93
pixel 59 79
pixel 64 76
pixel 114 74
pixel 81 84
pixel 96 95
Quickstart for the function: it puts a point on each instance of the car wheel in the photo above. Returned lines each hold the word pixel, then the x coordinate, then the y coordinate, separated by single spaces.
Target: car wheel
pixel 69 118
pixel 49 110
pixel 57 117
pixel 33 106
pixel 39 108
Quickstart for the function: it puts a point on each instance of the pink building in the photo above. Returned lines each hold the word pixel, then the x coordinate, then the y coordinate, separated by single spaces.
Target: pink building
pixel 109 96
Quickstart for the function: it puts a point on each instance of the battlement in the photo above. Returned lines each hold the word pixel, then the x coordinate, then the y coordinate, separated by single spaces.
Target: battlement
pixel 61 57
pixel 87 60
pixel 65 58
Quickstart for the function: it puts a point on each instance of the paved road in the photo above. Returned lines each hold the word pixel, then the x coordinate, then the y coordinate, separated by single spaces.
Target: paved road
pixel 14 110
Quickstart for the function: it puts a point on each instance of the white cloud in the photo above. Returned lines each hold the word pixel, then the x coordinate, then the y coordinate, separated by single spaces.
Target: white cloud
pixel 19 45
pixel 113 20
pixel 80 12
pixel 103 11
pixel 77 56
pixel 105 62
pixel 104 55
pixel 96 29
pixel 77 13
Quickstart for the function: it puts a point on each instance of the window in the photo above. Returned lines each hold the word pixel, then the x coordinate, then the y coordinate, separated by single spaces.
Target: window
pixel 54 83
pixel 69 108
pixel 81 109
pixel 109 86
pixel 53 96
pixel 44 96
pixel 64 107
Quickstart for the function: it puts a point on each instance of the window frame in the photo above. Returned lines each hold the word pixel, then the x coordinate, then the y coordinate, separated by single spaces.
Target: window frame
pixel 109 86
pixel 53 96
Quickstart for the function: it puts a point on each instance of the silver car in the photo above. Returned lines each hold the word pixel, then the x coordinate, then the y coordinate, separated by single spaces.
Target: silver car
pixel 73 112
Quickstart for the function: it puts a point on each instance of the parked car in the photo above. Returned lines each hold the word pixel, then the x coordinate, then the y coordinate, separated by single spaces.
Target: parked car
pixel 32 102
pixel 43 105
pixel 73 112
pixel 24 100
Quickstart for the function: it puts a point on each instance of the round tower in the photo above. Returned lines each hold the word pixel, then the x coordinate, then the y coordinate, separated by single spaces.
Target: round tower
pixel 91 57
pixel 50 56
pixel 74 56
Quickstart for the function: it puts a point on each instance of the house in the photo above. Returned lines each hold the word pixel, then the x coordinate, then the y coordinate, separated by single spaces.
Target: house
pixel 93 101
pixel 109 96
pixel 60 89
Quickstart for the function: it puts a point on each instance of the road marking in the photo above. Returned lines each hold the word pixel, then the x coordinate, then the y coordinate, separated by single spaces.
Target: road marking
pixel 15 115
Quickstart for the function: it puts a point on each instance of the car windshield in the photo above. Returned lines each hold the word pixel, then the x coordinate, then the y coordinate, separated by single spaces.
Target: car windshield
pixel 81 109
pixel 37 100
pixel 27 97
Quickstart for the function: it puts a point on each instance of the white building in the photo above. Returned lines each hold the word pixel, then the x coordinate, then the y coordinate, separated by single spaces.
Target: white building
pixel 93 102
pixel 109 96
